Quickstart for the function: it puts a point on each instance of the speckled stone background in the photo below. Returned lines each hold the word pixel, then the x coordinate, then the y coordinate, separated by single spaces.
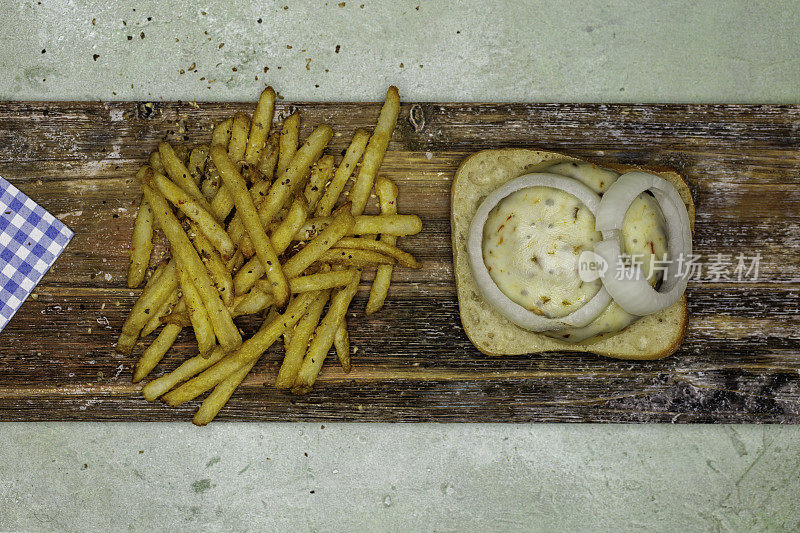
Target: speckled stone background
pixel 400 477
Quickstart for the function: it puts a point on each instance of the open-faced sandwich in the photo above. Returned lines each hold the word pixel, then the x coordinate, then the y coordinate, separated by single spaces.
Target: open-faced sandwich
pixel 552 253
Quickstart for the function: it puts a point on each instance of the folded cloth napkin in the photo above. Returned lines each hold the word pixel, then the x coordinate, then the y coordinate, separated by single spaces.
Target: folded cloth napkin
pixel 31 239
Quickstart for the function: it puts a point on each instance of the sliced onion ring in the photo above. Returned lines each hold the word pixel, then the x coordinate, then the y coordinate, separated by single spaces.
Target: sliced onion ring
pixel 516 313
pixel 626 285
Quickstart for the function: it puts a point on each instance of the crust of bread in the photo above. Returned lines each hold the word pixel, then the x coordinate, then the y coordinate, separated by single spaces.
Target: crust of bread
pixel 651 337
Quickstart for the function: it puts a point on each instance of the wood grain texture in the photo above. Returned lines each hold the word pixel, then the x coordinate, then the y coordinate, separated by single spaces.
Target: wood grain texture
pixel 740 361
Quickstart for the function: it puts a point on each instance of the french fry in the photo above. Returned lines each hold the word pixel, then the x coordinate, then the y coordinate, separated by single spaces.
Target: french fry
pixel 324 335
pixel 353 257
pixel 165 309
pixel 224 328
pixel 155 162
pixel 342 174
pixel 341 341
pixel 376 149
pixel 397 225
pixel 250 350
pixel 259 126
pixel 299 342
pixel 235 262
pixel 222 133
pixel 156 351
pixel 182 153
pixel 180 175
pixel 293 178
pixel 387 195
pixel 238 142
pixel 197 163
pixel 269 156
pixel 186 370
pixel 197 213
pixel 253 302
pixel 220 395
pixel 312 282
pixel 236 228
pixel 201 323
pixel 155 293
pixel 214 263
pixel 210 185
pixel 283 232
pixel 320 175
pixel 141 241
pixel 290 134
pixel 383 247
pixel 260 296
pixel 316 247
pixel 247 210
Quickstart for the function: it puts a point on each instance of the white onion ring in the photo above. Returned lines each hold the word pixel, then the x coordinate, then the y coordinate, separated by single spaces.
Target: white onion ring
pixel 633 293
pixel 506 306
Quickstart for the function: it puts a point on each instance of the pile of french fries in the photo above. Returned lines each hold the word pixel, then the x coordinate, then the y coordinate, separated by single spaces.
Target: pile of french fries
pixel 258 225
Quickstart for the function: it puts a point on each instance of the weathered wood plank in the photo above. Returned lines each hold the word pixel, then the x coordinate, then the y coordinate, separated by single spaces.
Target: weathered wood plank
pixel 740 361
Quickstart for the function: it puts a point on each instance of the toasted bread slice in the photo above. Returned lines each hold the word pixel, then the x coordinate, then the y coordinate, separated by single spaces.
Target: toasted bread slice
pixel 651 337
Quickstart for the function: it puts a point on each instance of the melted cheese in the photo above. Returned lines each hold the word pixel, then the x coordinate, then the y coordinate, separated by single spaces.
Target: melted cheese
pixel 533 237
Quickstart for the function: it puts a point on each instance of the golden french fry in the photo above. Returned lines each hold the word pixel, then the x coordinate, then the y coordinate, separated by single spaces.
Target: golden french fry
pixel 141 242
pixel 376 149
pixel 283 232
pixel 260 296
pixel 236 228
pixel 214 263
pixel 311 282
pixel 156 351
pixel 383 247
pixel 259 126
pixel 341 341
pixel 182 152
pixel 238 142
pixel 269 156
pixel 201 323
pixel 226 331
pixel 320 175
pixel 222 132
pixel 387 195
pixel 155 162
pixel 165 309
pixel 186 370
pixel 250 350
pixel 180 175
pixel 353 257
pixel 299 341
pixel 342 174
pixel 235 262
pixel 220 395
pixel 197 163
pixel 290 134
pixel 324 335
pixel 253 302
pixel 158 288
pixel 397 225
pixel 192 209
pixel 247 210
pixel 210 185
pixel 316 247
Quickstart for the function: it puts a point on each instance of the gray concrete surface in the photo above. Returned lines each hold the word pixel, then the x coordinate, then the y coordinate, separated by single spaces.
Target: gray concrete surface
pixel 349 477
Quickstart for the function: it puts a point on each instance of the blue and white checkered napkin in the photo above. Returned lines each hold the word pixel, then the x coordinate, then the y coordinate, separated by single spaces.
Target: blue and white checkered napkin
pixel 31 239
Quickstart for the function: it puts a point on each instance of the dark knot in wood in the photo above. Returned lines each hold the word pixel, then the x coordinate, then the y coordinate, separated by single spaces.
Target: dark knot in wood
pixel 417 117
pixel 145 110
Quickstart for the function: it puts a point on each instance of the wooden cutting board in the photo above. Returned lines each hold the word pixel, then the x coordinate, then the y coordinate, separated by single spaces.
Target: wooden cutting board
pixel 740 361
